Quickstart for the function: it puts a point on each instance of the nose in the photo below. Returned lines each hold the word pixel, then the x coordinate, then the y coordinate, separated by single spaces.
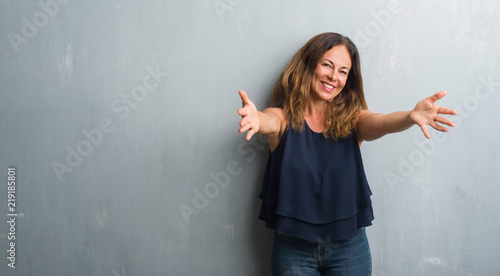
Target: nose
pixel 333 76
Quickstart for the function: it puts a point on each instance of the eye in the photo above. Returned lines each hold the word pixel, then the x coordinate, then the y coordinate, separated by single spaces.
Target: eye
pixel 343 72
pixel 327 65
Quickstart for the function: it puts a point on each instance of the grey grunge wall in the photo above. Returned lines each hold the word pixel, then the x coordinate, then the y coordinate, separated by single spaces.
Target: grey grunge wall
pixel 119 149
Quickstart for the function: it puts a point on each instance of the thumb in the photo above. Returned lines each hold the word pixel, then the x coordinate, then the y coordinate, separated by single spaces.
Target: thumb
pixel 437 96
pixel 244 98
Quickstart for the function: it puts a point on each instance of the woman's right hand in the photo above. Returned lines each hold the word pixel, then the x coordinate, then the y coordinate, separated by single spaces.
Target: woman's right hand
pixel 250 120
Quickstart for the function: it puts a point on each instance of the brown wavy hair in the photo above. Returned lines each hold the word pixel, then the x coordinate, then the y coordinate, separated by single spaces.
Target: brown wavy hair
pixel 293 87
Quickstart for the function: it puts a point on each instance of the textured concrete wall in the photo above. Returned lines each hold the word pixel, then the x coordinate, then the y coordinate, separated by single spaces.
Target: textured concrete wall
pixel 119 118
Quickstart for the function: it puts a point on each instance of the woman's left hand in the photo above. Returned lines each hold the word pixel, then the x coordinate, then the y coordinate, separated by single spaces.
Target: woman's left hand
pixel 426 112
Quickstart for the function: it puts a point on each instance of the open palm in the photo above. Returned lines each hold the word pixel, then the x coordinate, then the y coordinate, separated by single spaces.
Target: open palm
pixel 426 112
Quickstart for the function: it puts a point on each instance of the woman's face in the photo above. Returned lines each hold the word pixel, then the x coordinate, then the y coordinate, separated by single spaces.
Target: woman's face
pixel 330 74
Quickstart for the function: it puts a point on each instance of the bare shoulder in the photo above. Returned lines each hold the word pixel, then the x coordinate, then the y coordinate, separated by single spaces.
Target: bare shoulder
pixel 359 121
pixel 278 114
pixel 361 117
pixel 363 113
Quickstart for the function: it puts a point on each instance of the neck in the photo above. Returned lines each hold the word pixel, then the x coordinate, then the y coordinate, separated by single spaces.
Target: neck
pixel 316 110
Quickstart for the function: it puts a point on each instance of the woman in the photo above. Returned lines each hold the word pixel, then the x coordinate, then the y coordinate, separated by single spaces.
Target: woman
pixel 315 192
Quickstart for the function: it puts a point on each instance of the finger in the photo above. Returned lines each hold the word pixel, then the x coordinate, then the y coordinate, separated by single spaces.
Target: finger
pixel 250 133
pixel 437 96
pixel 444 110
pixel 438 127
pixel 242 111
pixel 425 131
pixel 244 98
pixel 244 128
pixel 244 121
pixel 445 121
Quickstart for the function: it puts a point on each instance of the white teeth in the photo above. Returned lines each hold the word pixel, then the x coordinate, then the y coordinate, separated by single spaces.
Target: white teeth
pixel 328 86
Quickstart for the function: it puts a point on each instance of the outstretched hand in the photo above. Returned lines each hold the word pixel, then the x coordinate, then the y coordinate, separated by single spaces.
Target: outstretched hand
pixel 250 120
pixel 426 112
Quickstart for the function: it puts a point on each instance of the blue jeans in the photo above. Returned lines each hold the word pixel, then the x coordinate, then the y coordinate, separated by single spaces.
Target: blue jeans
pixel 294 256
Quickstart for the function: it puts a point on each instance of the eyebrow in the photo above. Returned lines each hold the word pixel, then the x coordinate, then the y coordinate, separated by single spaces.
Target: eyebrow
pixel 343 67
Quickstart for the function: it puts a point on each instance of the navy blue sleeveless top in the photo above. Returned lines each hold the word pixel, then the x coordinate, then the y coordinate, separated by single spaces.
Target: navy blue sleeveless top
pixel 315 188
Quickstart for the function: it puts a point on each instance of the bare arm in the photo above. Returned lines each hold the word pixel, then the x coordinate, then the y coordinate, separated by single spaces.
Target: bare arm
pixel 372 126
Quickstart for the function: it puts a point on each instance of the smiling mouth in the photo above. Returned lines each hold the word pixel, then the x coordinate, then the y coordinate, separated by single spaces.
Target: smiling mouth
pixel 328 87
